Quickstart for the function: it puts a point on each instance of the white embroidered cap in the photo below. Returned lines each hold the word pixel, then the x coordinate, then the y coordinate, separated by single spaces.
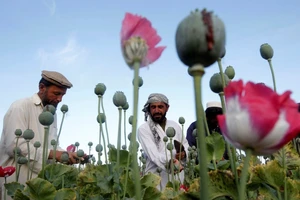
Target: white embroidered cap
pixel 213 104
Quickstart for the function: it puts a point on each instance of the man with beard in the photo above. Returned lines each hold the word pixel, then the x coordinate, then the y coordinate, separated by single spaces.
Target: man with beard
pixel 23 114
pixel 151 134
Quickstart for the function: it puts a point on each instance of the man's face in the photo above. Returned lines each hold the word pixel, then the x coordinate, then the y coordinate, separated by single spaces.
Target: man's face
pixel 211 116
pixel 158 111
pixel 52 94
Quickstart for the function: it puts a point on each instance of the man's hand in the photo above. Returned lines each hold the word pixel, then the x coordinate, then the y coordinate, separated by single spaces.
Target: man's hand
pixel 180 156
pixel 73 158
pixel 177 166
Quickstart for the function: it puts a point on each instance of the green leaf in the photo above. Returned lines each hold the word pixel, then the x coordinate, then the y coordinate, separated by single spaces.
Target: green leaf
pixel 38 189
pixel 58 174
pixel 215 145
pixel 112 154
pixel 151 193
pixel 12 187
pixel 223 164
pixel 150 180
pixel 20 196
pixel 65 194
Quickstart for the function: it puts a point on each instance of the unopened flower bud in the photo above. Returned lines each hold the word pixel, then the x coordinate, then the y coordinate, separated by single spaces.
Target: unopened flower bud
pixel 170 146
pixel 64 108
pixel 18 132
pixel 181 120
pixel 90 144
pixel 194 133
pixel 126 106
pixel 266 51
pixel 165 139
pixel 119 99
pixel 18 150
pixel 229 71
pixel 100 89
pixel 129 136
pixel 28 134
pixel 22 160
pixel 124 147
pixel 46 118
pixel 216 84
pixel 140 81
pixel 50 108
pixel 170 132
pixel 77 144
pixel 130 120
pixel 101 118
pixel 99 162
pixel 200 38
pixel 64 157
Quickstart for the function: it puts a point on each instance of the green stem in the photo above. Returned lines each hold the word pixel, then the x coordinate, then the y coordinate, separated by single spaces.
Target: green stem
pixel 28 163
pixel 45 148
pixel 33 163
pixel 136 67
pixel 231 153
pixel 57 140
pixel 126 176
pixel 107 135
pixel 182 126
pixel 244 174
pixel 16 156
pixel 166 152
pixel 197 72
pixel 101 130
pixel 172 165
pixel 4 188
pixel 119 137
pixel 221 72
pixel 62 181
pixel 125 128
pixel 272 72
pixel 284 171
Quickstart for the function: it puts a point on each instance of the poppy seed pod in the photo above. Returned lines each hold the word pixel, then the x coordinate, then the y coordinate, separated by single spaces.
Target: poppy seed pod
pixel 46 118
pixel 158 170
pixel 126 106
pixel 100 89
pixel 64 158
pixel 266 51
pixel 181 120
pixel 215 82
pixel 102 117
pixel 124 147
pixel 90 144
pixel 223 52
pixel 200 38
pixel 140 81
pixel 229 71
pixel 77 144
pixel 53 142
pixel 165 139
pixel 28 134
pixel 170 132
pixel 119 99
pixel 169 146
pixel 37 144
pixel 80 153
pixel 64 108
pixel 130 120
pixel 129 136
pixel 99 148
pixel 22 160
pixel 50 108
pixel 18 132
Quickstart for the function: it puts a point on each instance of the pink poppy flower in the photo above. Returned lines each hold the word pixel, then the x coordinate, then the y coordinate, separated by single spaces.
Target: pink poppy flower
pixel 258 118
pixel 138 40
pixel 71 148
pixel 7 171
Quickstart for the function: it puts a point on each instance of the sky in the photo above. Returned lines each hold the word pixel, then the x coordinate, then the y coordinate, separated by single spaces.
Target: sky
pixel 81 39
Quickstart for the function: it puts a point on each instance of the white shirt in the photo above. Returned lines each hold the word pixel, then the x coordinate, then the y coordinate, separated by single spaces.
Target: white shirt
pixel 23 114
pixel 156 156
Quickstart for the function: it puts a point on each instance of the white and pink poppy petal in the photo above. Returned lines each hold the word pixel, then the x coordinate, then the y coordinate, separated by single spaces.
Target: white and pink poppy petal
pixel 129 23
pixel 152 55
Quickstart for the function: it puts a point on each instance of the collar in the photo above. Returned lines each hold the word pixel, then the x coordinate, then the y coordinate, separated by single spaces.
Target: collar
pixel 36 100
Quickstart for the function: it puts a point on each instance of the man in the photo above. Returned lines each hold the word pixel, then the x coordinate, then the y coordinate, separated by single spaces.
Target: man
pixel 213 109
pixel 23 114
pixel 151 134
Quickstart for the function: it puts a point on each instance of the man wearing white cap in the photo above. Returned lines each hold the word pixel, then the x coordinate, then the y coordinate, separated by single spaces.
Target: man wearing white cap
pixel 213 109
pixel 23 114
pixel 151 134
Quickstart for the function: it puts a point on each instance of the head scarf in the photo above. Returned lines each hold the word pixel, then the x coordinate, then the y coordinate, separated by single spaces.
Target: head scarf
pixel 153 98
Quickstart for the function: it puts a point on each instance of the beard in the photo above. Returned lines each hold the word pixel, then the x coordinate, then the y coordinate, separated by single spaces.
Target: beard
pixel 46 101
pixel 158 117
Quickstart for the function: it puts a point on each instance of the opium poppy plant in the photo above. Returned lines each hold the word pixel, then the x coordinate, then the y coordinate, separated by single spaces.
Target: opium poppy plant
pixel 258 118
pixel 139 40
